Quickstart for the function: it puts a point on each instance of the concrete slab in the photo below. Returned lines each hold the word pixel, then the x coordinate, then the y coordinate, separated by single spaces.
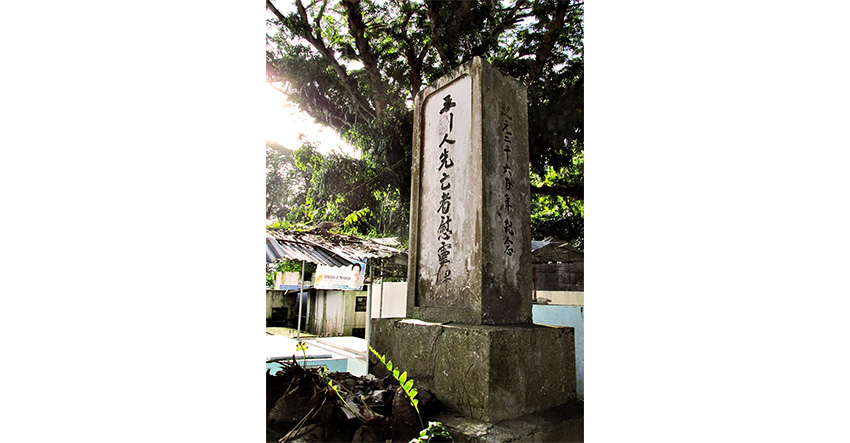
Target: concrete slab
pixel 355 345
pixel 559 424
pixel 288 332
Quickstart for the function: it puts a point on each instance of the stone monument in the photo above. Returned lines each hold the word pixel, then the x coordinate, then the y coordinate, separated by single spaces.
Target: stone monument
pixel 469 336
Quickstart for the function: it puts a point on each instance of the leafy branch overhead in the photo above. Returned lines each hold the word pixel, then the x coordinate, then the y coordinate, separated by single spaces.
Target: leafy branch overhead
pixel 356 65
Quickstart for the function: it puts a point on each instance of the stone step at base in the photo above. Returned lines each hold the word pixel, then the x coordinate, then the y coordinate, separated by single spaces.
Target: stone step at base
pixel 563 423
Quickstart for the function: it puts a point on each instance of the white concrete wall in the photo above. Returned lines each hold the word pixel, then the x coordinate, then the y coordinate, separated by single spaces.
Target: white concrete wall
pixel 394 302
pixel 335 315
pixel 568 298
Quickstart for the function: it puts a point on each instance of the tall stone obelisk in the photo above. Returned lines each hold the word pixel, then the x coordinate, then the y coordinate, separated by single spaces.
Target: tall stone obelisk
pixel 470 244
pixel 470 336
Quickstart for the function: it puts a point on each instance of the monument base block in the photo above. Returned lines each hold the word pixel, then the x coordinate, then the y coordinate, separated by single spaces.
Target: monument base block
pixel 490 373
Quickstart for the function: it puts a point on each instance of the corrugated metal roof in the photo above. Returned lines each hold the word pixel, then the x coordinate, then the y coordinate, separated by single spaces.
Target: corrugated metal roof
pixel 352 248
pixel 288 248
pixel 550 250
pixel 343 250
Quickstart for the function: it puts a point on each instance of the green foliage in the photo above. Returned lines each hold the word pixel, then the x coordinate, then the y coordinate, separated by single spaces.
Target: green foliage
pixel 311 188
pixel 435 432
pixel 557 215
pixel 406 385
pixel 356 67
pixel 278 180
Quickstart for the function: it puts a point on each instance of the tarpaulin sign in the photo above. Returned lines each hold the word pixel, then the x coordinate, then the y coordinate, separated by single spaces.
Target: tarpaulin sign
pixel 341 278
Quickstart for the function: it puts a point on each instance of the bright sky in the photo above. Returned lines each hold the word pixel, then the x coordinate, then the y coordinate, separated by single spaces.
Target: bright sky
pixel 283 123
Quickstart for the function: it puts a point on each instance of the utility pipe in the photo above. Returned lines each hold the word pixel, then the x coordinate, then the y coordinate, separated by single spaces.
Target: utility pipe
pixel 298 300
pixel 381 304
pixel 369 305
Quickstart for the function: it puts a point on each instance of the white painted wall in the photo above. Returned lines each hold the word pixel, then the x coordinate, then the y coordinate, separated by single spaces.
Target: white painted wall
pixel 567 298
pixel 335 315
pixel 394 304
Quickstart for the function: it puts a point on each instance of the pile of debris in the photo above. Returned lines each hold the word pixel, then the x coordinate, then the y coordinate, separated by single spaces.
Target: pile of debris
pixel 313 405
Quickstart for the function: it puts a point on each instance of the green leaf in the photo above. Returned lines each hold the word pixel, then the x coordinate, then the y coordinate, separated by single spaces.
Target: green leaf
pixel 402 379
pixel 408 385
pixel 415 403
pixel 390 366
pixel 412 393
pixel 395 373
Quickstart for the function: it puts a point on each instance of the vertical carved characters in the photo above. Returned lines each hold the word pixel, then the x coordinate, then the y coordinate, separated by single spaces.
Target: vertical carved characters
pixel 507 173
pixel 444 229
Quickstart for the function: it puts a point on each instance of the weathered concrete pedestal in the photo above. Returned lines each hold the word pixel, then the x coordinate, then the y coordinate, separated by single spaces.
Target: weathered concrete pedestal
pixel 472 341
pixel 487 372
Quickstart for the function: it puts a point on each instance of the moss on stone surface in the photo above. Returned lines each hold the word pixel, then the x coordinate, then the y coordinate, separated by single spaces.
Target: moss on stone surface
pixel 487 372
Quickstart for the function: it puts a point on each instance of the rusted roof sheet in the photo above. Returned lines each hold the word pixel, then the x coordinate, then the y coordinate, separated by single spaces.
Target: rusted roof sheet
pixel 550 250
pixel 289 248
pixel 353 248
pixel 342 250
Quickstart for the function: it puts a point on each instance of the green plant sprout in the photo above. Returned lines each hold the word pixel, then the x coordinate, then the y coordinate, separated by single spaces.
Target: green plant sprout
pixel 435 431
pixel 406 385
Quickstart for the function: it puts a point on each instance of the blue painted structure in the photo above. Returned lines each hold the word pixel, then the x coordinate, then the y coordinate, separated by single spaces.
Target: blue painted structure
pixel 338 354
pixel 573 316
pixel 333 364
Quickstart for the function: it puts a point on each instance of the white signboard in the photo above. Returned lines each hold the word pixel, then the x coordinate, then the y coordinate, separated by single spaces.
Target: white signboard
pixel 340 278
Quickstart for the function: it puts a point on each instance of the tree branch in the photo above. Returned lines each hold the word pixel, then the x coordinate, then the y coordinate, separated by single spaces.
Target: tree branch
pixel 370 62
pixel 571 190
pixel 548 42
pixel 325 111
pixel 316 40
pixel 274 10
pixel 319 17
pixel 414 76
pixel 437 41
pixel 509 20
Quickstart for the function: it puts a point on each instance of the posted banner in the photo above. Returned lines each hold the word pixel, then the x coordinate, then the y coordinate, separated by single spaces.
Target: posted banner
pixel 287 280
pixel 345 278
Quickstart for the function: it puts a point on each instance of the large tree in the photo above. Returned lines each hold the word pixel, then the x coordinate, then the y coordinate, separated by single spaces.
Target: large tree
pixel 356 65
pixel 307 188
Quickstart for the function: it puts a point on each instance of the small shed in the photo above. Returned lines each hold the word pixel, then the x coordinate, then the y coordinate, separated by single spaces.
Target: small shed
pixel 334 312
pixel 557 266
